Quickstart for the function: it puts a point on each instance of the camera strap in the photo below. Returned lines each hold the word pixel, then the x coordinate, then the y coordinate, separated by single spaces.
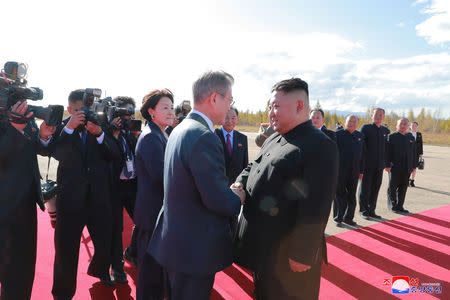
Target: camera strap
pixel 48 168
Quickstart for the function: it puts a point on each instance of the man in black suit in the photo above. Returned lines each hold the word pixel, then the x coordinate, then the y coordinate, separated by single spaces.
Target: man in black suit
pixel 375 137
pixel 350 143
pixel 20 191
pixel 84 153
pixel 265 130
pixel 419 151
pixel 192 238
pixel 400 161
pixel 290 187
pixel 318 117
pixel 235 146
pixel 124 190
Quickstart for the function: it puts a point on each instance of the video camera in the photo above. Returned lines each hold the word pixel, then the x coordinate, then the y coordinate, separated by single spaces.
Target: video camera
pixel 102 111
pixel 13 89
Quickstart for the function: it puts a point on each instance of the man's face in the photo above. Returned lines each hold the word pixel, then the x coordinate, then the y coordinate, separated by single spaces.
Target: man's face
pixel 75 106
pixel 378 117
pixel 222 105
pixel 414 127
pixel 231 120
pixel 283 111
pixel 317 119
pixel 402 125
pixel 128 106
pixel 351 123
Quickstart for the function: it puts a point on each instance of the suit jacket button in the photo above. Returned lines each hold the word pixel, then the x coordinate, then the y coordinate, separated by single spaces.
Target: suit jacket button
pixel 268 154
pixel 257 171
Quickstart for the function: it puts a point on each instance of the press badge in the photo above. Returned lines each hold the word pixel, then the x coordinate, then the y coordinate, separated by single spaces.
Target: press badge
pixel 130 166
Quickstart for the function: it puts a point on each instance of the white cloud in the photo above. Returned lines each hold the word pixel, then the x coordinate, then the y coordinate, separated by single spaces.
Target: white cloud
pixel 436 29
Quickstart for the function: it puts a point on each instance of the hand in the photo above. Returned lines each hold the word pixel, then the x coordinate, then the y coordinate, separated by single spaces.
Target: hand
pixel 76 120
pixel 19 109
pixel 361 176
pixel 298 267
pixel 240 193
pixel 118 123
pixel 237 185
pixel 94 129
pixel 46 131
pixel 388 170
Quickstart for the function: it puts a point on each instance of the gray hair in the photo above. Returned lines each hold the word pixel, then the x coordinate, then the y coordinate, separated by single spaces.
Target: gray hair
pixel 210 82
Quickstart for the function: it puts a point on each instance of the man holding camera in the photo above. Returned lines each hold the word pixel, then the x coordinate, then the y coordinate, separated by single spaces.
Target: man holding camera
pixel 20 190
pixel 124 187
pixel 84 152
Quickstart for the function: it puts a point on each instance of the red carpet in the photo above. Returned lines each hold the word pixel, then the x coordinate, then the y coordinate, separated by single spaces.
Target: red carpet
pixel 416 246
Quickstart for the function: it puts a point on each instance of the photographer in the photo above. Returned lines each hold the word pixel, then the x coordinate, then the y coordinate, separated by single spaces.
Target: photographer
pixel 20 192
pixel 84 152
pixel 124 189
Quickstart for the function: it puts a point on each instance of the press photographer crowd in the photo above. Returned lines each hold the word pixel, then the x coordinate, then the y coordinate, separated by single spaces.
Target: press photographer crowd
pixel 197 203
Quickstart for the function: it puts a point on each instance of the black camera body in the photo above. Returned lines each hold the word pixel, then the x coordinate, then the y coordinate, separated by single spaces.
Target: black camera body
pixel 126 124
pixel 49 189
pixel 13 89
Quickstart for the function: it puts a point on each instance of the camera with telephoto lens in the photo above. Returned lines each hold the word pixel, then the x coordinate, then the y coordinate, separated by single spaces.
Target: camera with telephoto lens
pixel 101 111
pixel 13 88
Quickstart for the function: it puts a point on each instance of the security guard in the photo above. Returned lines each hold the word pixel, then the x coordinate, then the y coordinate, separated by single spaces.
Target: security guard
pixel 350 143
pixel 400 158
pixel 375 136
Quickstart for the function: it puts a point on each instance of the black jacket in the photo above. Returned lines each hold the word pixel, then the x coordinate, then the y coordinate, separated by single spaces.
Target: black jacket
pixel 290 187
pixel 401 152
pixel 375 139
pixel 239 154
pixel 19 170
pixel 351 150
pixel 330 133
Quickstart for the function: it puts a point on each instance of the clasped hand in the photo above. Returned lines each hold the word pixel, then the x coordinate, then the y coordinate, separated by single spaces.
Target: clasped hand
pixel 238 189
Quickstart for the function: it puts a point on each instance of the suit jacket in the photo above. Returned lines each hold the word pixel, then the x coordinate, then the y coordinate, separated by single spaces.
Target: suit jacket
pixel 330 133
pixel 351 152
pixel 401 152
pixel 375 140
pixel 239 154
pixel 263 134
pixel 192 234
pixel 149 160
pixel 19 170
pixel 418 147
pixel 290 187
pixel 82 169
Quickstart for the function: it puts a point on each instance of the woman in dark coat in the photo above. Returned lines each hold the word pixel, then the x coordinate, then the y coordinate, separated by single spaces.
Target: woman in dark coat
pixel 157 109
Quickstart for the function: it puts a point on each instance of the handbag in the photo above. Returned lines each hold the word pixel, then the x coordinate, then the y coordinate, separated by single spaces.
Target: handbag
pixel 50 190
pixel 421 164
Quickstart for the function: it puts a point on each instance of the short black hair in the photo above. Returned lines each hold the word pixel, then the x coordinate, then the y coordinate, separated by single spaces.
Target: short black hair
pixel 151 100
pixel 122 101
pixel 76 95
pixel 178 109
pixel 292 84
pixel 235 109
pixel 319 110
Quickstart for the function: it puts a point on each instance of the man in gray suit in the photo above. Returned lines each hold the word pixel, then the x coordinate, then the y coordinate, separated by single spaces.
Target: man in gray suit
pixel 192 238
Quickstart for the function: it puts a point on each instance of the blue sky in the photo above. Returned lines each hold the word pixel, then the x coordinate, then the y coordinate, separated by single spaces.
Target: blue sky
pixel 354 54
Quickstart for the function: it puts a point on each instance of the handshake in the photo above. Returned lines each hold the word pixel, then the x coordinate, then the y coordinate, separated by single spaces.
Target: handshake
pixel 238 189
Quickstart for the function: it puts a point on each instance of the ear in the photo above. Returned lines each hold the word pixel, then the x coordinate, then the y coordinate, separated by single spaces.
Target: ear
pixel 300 105
pixel 69 109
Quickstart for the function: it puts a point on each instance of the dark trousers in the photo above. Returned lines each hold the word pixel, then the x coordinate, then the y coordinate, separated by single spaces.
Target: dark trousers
pixel 398 184
pixel 368 190
pixel 150 283
pixel 344 203
pixel 125 194
pixel 180 286
pixel 68 229
pixel 281 283
pixel 18 253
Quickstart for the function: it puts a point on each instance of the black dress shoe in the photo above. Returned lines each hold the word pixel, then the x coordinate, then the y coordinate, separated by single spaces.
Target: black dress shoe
pixel 405 211
pixel 397 211
pixel 350 222
pixel 119 276
pixel 411 183
pixel 365 216
pixel 338 223
pixel 374 215
pixel 106 280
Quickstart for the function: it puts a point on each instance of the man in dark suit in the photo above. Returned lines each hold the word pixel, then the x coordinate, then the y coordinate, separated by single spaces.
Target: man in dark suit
pixel 192 238
pixel 419 151
pixel 400 161
pixel 318 117
pixel 375 136
pixel 350 143
pixel 290 187
pixel 235 146
pixel 84 153
pixel 265 130
pixel 124 190
pixel 20 191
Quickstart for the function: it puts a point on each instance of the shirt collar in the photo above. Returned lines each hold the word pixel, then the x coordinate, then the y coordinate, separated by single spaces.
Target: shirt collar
pixel 226 132
pixel 208 121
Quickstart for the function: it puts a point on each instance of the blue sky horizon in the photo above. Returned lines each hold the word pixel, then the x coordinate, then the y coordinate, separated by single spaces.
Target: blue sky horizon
pixel 353 54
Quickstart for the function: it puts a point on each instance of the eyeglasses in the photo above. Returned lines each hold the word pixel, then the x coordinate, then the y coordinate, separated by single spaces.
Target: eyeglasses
pixel 232 101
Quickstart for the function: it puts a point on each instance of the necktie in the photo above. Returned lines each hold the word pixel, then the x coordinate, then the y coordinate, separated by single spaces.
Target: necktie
pixel 229 144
